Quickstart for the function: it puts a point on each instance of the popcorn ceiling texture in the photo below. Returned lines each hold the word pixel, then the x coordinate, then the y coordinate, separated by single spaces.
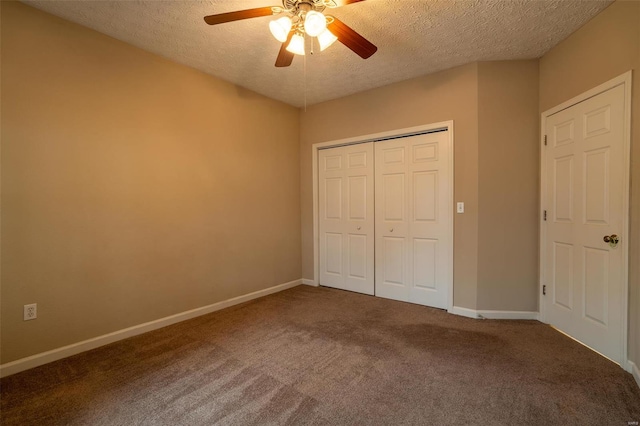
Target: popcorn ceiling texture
pixel 414 38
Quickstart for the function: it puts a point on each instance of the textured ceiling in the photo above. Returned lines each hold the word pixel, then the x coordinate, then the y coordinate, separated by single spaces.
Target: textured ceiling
pixel 414 38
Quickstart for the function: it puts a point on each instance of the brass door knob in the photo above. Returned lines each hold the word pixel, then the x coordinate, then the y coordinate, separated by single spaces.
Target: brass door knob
pixel 612 240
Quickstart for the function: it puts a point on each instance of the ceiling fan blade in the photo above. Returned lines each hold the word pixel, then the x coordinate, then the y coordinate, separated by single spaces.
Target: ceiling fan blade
pixel 345 2
pixel 221 18
pixel 354 41
pixel 285 58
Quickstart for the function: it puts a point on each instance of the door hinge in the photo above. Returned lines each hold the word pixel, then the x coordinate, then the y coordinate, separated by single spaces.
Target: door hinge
pixel 545 215
pixel 545 140
pixel 544 290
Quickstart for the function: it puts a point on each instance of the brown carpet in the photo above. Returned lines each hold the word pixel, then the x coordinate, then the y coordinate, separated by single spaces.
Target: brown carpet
pixel 322 356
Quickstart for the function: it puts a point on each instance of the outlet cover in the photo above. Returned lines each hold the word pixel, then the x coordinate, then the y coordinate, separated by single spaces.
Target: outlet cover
pixel 30 311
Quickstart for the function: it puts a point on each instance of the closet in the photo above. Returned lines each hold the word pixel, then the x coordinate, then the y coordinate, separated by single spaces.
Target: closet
pixel 385 218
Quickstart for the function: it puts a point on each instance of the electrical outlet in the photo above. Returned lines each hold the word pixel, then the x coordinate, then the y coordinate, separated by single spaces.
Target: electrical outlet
pixel 30 311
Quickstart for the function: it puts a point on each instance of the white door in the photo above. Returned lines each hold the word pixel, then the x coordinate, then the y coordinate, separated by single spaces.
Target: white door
pixel 414 219
pixel 346 217
pixel 583 274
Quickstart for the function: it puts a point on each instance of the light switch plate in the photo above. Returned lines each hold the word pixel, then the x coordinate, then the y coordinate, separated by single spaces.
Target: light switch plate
pixel 460 207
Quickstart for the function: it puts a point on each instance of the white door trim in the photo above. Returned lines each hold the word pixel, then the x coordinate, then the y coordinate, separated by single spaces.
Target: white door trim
pixel 624 79
pixel 372 138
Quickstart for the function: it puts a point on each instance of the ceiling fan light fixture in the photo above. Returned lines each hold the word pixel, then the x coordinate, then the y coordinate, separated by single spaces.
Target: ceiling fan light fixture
pixel 326 39
pixel 296 20
pixel 280 28
pixel 314 23
pixel 296 45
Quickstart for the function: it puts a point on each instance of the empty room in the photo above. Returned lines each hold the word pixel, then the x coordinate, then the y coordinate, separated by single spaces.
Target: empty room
pixel 253 212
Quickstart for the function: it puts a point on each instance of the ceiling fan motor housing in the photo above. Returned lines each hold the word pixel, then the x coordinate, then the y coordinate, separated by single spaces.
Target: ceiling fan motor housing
pixel 296 6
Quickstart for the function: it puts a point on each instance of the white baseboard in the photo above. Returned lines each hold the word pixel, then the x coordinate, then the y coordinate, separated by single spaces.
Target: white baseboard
pixel 635 371
pixel 86 345
pixel 464 312
pixel 309 282
pixel 512 315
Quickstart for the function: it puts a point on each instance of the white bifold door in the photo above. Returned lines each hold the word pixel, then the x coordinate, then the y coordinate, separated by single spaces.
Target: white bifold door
pixel 413 219
pixel 346 217
pixel 583 263
pixel 393 198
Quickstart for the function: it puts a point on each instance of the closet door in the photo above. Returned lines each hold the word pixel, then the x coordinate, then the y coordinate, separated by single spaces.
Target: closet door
pixel 346 217
pixel 413 219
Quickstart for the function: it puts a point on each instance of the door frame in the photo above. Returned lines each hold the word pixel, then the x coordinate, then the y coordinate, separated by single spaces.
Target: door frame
pixel 625 80
pixel 392 134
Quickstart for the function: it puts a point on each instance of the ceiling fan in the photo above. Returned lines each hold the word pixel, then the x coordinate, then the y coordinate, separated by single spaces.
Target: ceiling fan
pixel 300 18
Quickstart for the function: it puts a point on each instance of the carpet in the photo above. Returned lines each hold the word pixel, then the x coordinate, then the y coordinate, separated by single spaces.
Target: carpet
pixel 321 356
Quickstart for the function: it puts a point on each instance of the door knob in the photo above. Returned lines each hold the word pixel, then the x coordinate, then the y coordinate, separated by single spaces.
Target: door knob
pixel 391 230
pixel 358 228
pixel 612 240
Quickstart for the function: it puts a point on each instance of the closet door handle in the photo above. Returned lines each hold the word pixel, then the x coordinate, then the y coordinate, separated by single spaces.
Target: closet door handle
pixel 391 230
pixel 358 228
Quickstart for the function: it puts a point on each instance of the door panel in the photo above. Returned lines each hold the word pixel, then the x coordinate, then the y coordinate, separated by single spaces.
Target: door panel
pixel 334 253
pixel 357 256
pixel 393 156
pixel 584 193
pixel 425 262
pixel 358 160
pixel 596 273
pixel 563 207
pixel 425 152
pixel 393 261
pixel 346 217
pixel 333 198
pixel 425 196
pixel 332 162
pixel 596 186
pixel 357 197
pixel 413 219
pixel 393 193
pixel 563 276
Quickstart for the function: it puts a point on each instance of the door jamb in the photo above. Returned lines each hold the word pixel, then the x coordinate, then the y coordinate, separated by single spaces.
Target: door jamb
pixel 624 79
pixel 373 138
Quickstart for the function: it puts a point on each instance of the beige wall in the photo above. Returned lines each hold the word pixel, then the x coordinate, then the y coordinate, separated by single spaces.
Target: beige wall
pixel 438 97
pixel 606 47
pixel 133 188
pixel 123 203
pixel 494 106
pixel 508 181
